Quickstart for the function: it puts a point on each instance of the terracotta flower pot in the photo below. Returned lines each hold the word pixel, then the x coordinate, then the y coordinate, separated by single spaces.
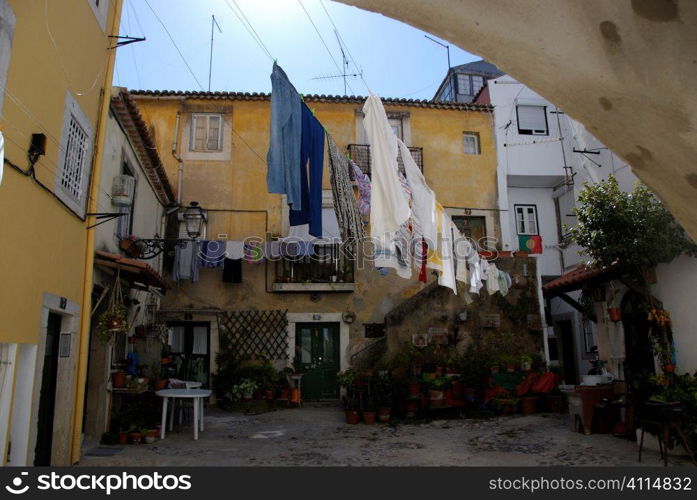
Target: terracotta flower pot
pixel 528 405
pixel 161 384
pixel 295 395
pixel 669 368
pixel 269 394
pixel 353 416
pixel 135 437
pixel 412 408
pixel 414 389
pixel 369 417
pixel 384 414
pixel 118 380
pixel 284 394
pixel 123 438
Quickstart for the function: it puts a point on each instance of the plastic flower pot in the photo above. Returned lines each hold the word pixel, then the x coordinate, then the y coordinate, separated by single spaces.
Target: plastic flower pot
pixel 123 438
pixel 134 437
pixel 384 414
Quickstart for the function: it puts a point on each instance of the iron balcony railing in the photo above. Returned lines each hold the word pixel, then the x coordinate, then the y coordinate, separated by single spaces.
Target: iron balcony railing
pixel 360 154
pixel 330 263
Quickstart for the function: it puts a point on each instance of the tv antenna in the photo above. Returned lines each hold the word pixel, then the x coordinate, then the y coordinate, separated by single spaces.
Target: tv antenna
pixel 345 72
pixel 214 24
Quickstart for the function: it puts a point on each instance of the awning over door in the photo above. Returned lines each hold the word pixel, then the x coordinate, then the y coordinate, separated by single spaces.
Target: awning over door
pixel 134 271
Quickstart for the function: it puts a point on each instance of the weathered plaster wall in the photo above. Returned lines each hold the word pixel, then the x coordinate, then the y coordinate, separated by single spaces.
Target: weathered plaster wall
pixel 610 65
pixel 438 307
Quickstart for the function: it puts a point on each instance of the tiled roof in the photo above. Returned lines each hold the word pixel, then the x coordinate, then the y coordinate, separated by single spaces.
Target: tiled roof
pixel 574 278
pixel 128 115
pixel 260 96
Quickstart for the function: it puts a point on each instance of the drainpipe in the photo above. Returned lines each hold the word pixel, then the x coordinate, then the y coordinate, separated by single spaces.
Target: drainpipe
pixel 540 300
pixel 175 147
pixel 85 316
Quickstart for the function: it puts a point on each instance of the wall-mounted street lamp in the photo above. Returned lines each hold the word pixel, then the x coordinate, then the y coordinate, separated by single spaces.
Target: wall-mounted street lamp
pixel 193 217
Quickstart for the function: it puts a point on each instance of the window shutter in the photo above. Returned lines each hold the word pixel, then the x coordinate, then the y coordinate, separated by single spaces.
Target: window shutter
pixel 199 132
pixel 471 144
pixel 532 118
pixel 213 133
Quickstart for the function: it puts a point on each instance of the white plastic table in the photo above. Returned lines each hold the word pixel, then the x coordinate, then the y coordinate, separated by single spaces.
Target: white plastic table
pixel 198 395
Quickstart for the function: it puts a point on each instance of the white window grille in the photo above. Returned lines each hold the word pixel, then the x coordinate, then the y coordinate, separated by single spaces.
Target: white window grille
pixel 206 132
pixel 526 219
pixel 75 159
pixel 471 143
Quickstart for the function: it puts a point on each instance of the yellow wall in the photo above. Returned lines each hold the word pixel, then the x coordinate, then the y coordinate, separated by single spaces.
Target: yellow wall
pixel 459 180
pixel 42 248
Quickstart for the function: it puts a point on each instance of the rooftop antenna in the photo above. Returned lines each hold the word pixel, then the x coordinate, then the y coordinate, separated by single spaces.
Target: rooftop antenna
pixel 214 24
pixel 344 67
pixel 447 47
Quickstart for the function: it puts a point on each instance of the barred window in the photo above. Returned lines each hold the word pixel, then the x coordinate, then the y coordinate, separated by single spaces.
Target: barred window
pixel 75 159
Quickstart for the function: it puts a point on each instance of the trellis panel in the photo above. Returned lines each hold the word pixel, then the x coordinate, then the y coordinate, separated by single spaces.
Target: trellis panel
pixel 254 333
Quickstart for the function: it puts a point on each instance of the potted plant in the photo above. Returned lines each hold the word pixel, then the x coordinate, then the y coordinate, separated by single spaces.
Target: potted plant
pixel 151 436
pixel 244 390
pixel 118 379
pixel 347 380
pixel 134 435
pixel 123 437
pixel 525 363
pixel 436 387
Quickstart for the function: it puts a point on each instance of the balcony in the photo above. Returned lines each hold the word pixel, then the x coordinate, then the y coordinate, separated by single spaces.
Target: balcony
pixel 360 154
pixel 329 269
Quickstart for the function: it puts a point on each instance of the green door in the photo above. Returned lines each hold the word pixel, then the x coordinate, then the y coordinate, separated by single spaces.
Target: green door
pixel 317 348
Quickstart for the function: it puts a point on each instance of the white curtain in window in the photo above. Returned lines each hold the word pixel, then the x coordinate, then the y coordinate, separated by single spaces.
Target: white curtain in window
pixel 176 338
pixel 213 133
pixel 200 340
pixel 532 118
pixel 200 125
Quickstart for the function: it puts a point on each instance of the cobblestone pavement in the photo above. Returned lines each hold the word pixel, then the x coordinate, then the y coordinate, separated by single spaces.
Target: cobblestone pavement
pixel 318 436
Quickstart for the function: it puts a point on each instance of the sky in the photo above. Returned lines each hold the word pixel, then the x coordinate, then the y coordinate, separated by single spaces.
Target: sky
pixel 396 59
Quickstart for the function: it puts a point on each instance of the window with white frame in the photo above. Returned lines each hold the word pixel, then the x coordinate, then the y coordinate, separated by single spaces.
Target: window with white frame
pixel 464 85
pixel 124 224
pixel 532 120
pixel 526 219
pixel 471 143
pixel 477 84
pixel 206 132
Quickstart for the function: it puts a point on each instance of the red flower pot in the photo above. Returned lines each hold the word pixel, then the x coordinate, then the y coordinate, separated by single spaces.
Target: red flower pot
pixel 412 408
pixel 135 437
pixel 118 380
pixel 369 417
pixel 123 438
pixel 414 389
pixel 353 416
pixel 384 414
pixel 284 394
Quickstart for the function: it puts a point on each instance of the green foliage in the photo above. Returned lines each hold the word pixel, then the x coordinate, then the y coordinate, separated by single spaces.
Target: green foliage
pixel 679 389
pixel 633 229
pixel 232 372
pixel 243 388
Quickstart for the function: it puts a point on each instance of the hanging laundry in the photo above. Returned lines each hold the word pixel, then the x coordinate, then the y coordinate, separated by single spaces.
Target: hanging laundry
pixel 347 214
pixel 504 282
pixel 475 270
pixel 272 250
pixel 212 254
pixel 364 188
pixel 253 252
pixel 492 279
pixel 460 249
pixel 312 151
pixel 435 260
pixel 446 277
pixel 283 157
pixel 185 265
pixel 232 271
pixel 389 208
pixel 423 198
pixel 421 256
pixel 234 249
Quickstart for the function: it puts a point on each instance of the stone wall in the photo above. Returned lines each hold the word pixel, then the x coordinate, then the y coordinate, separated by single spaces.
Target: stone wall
pixel 507 325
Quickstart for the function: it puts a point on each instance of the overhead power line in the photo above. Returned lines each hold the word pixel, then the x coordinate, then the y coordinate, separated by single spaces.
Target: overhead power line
pixel 250 29
pixel 175 44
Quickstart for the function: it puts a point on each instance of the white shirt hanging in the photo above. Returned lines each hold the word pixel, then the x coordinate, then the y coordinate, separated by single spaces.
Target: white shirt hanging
pixel 423 198
pixel 389 208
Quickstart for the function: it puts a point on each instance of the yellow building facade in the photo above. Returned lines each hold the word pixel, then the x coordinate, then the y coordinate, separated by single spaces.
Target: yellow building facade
pixel 58 69
pixel 453 142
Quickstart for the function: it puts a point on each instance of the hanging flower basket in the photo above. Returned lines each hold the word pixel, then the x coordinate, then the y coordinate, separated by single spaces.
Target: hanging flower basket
pixel 114 319
pixel 130 247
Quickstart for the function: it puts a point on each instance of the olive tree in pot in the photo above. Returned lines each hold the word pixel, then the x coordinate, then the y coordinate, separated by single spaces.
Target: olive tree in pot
pixel 347 380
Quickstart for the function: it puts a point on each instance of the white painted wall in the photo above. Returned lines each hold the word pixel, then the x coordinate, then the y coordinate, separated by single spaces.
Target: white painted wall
pixel 676 286
pixel 148 211
pixel 22 408
pixel 549 261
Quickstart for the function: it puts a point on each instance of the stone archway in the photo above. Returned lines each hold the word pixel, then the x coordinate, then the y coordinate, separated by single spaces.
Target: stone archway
pixel 625 69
